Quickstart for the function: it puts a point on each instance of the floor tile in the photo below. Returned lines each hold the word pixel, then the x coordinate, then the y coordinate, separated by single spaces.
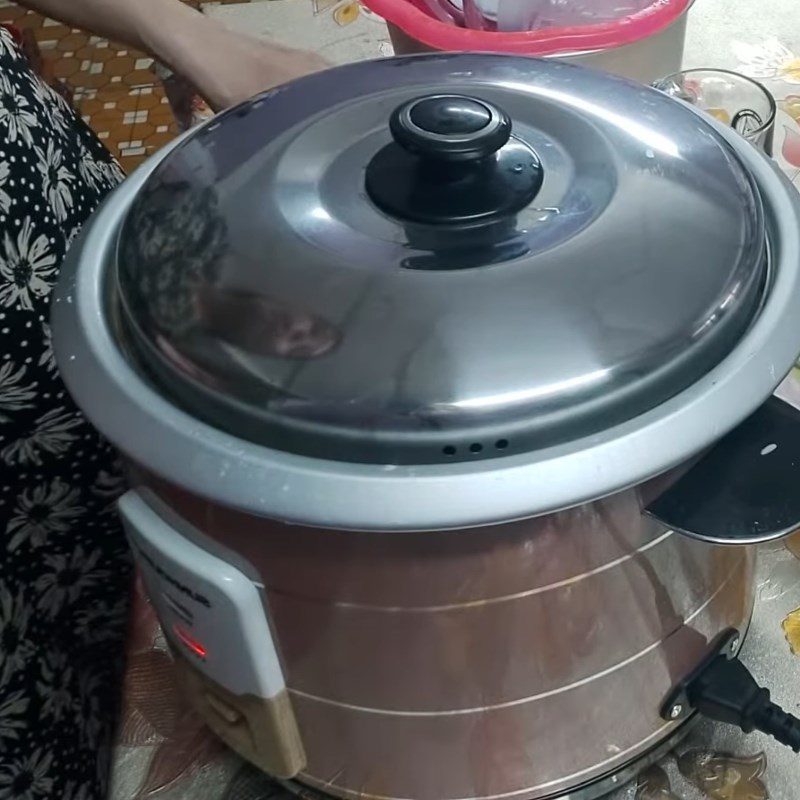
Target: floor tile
pixel 110 112
pixel 154 125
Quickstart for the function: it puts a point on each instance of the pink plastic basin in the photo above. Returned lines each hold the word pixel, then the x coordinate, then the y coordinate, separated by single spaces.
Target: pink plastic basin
pixel 644 46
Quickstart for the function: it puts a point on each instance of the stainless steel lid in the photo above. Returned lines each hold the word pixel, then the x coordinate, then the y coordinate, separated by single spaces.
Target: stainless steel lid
pixel 436 259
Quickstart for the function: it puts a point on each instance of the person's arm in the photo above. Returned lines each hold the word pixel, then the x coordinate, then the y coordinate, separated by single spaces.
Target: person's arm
pixel 224 66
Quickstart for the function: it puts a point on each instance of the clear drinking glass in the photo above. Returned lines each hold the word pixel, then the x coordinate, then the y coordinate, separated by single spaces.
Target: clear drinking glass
pixel 734 99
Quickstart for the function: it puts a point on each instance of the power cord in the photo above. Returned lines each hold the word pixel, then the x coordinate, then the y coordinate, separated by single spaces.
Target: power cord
pixel 723 689
pixel 726 692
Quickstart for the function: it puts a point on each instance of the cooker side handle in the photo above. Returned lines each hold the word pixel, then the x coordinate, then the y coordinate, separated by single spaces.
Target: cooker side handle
pixel 746 489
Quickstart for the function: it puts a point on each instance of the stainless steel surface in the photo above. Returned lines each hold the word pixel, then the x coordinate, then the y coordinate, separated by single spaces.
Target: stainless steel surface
pixel 750 767
pixel 593 791
pixel 634 271
pixel 157 433
pixel 508 661
pixel 737 766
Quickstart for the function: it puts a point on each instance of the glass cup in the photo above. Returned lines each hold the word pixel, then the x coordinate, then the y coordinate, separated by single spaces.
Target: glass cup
pixel 734 99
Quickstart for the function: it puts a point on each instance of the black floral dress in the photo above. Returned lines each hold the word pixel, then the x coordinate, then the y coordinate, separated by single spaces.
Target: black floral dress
pixel 64 570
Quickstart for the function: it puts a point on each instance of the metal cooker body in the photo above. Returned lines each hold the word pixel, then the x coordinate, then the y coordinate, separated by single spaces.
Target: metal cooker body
pixel 466 630
pixel 527 659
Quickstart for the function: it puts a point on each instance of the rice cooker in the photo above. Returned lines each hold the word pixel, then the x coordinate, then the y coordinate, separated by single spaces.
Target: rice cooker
pixel 446 388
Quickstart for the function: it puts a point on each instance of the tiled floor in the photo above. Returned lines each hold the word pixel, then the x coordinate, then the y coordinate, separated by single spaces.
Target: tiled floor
pixel 115 89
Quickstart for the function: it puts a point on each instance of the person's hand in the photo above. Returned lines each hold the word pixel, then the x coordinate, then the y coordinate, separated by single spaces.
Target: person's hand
pixel 228 68
pixel 251 66
pixel 225 67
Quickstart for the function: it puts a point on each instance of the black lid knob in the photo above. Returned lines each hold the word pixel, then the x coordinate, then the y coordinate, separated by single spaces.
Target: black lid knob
pixel 453 161
pixel 450 127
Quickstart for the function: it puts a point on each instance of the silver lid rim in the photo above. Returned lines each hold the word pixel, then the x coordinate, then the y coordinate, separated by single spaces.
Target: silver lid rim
pixel 170 443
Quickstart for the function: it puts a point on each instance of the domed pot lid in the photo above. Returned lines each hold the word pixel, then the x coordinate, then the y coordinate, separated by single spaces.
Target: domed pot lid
pixel 433 259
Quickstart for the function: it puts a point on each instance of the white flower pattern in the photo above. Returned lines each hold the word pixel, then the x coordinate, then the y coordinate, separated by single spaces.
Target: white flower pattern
pixel 5 197
pixel 50 103
pixel 56 688
pixel 8 47
pixel 88 709
pixel 53 433
pixel 48 508
pixel 112 173
pixel 89 169
pixel 56 180
pixel 73 236
pixel 16 113
pixel 15 394
pixel 61 618
pixel 12 709
pixel 74 792
pixel 47 359
pixel 27 267
pixel 15 621
pixel 27 778
pixel 67 577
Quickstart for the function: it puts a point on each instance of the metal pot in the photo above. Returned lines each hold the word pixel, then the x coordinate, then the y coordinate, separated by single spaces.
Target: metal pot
pixel 446 383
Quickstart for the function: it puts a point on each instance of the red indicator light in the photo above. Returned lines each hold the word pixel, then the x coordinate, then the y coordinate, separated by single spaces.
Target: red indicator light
pixel 187 640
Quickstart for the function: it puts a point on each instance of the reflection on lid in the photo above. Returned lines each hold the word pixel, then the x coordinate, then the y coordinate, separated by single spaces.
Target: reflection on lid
pixel 174 241
pixel 173 262
pixel 643 134
pixel 263 326
pixel 277 300
pixel 536 393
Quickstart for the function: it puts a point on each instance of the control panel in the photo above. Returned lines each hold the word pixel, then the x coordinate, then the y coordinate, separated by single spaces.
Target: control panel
pixel 210 611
